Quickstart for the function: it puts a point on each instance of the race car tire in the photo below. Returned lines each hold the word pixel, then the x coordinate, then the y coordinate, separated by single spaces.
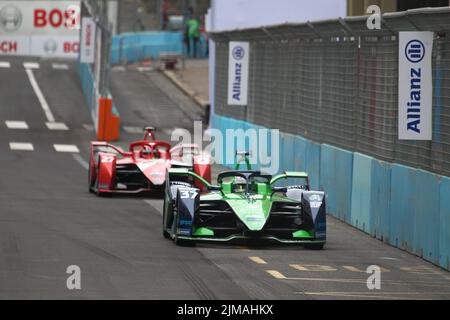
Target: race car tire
pixel 91 182
pixel 165 233
pixel 98 193
pixel 183 243
pixel 314 246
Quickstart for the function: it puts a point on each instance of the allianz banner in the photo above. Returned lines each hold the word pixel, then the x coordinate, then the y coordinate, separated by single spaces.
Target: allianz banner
pixel 415 86
pixel 238 73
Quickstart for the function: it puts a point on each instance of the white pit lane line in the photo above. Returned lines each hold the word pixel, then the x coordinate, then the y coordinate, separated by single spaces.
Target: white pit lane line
pixel 69 148
pixel 21 146
pixel 155 204
pixel 81 161
pixel 60 66
pixel 60 126
pixel 130 129
pixel 5 65
pixel 18 125
pixel 40 95
pixel 31 65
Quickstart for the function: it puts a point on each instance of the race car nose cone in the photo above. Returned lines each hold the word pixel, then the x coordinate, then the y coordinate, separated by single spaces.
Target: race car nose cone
pixel 157 179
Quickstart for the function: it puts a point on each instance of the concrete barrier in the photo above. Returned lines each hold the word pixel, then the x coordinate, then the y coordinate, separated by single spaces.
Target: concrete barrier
pixel 133 47
pixel 336 171
pixel 406 207
pixel 444 223
pixel 380 200
pixel 361 199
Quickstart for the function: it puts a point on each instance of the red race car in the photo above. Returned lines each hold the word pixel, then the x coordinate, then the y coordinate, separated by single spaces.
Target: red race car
pixel 142 168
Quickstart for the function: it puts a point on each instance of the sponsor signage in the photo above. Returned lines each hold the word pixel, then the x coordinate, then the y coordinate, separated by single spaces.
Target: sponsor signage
pixel 238 73
pixel 49 46
pixel 14 45
pixel 41 28
pixel 415 87
pixel 87 50
pixel 40 17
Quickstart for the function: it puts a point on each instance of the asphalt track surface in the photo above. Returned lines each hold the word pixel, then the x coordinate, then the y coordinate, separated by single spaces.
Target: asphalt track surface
pixel 49 220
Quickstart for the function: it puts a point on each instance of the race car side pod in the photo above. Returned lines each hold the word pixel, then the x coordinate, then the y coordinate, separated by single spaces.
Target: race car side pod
pixel 108 123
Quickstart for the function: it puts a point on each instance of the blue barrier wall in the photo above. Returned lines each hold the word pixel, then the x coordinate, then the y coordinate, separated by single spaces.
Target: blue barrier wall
pixel 88 87
pixel 90 91
pixel 444 223
pixel 133 47
pixel 403 206
pixel 336 170
pixel 360 198
pixel 380 204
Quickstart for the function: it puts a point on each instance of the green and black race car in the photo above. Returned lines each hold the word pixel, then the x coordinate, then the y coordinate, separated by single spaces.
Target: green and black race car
pixel 245 205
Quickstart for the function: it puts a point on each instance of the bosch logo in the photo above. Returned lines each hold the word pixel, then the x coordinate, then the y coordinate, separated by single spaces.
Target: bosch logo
pixel 415 51
pixel 10 18
pixel 50 47
pixel 238 53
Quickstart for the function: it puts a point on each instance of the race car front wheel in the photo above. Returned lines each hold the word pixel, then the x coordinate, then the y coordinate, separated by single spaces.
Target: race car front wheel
pixel 96 184
pixel 165 233
pixel 182 242
pixel 314 246
pixel 91 180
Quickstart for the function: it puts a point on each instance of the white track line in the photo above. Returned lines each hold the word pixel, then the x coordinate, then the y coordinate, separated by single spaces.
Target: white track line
pixel 57 126
pixel 21 146
pixel 40 95
pixel 60 66
pixel 129 129
pixel 88 127
pixel 257 260
pixel 70 148
pixel 31 65
pixel 5 64
pixel 21 125
pixel 81 161
pixel 155 204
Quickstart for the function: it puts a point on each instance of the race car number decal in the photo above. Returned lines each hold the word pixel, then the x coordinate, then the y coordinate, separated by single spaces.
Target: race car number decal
pixel 107 159
pixel 188 194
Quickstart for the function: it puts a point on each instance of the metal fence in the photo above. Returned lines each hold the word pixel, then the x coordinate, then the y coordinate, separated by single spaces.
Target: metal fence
pixel 336 82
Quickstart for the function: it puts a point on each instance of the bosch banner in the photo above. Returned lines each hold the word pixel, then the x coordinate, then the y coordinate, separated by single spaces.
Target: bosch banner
pixel 40 28
pixel 415 86
pixel 87 48
pixel 238 73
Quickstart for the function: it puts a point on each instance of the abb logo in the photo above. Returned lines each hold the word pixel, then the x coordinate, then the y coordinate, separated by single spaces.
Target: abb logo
pixel 56 18
pixel 8 46
pixel 71 47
